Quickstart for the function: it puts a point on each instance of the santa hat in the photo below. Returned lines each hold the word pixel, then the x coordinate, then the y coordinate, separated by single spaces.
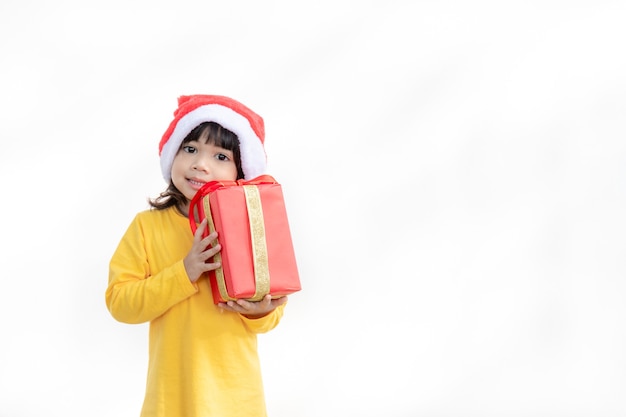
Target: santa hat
pixel 230 114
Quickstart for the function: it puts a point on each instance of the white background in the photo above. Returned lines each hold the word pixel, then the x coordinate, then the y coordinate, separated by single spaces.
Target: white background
pixel 454 174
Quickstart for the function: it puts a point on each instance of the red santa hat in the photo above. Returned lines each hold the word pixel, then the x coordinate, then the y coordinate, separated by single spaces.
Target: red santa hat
pixel 196 109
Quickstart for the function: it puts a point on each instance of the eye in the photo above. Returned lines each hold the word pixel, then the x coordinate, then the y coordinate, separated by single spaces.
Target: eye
pixel 189 149
pixel 222 157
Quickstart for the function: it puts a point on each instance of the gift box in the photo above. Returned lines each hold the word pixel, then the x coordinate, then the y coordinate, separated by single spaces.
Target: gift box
pixel 257 253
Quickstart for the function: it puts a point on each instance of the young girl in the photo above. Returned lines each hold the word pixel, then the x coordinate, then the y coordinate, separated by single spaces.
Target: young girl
pixel 203 357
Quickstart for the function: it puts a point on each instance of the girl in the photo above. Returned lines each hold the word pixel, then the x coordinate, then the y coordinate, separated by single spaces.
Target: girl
pixel 203 357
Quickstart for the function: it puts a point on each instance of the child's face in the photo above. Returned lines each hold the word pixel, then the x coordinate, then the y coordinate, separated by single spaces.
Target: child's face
pixel 197 163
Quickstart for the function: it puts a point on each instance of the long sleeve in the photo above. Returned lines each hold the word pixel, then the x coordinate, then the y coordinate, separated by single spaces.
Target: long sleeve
pixel 267 323
pixel 134 295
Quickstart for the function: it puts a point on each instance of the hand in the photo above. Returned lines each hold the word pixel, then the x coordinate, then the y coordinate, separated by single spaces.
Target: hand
pixel 254 309
pixel 196 260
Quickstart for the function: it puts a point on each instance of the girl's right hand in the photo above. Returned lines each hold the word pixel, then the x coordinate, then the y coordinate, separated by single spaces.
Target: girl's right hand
pixel 196 260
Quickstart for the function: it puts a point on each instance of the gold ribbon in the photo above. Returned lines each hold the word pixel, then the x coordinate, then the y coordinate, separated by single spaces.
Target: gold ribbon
pixel 258 244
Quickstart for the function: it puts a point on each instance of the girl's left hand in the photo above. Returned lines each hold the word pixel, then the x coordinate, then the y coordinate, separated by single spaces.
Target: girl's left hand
pixel 254 309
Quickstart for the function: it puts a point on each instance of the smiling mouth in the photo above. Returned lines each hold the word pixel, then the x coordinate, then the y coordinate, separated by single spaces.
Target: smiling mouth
pixel 196 183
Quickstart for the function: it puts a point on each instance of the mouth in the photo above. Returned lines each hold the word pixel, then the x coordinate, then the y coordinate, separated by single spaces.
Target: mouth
pixel 195 183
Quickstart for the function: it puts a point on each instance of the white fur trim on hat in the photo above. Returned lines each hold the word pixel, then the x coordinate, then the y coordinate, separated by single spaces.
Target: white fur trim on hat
pixel 253 158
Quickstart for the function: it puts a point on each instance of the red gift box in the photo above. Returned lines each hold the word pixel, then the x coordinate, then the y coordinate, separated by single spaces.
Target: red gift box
pixel 257 253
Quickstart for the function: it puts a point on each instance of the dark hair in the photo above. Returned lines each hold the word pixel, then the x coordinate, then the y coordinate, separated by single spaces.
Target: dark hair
pixel 209 132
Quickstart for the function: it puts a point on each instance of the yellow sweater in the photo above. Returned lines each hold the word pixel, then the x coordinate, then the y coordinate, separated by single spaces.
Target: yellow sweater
pixel 202 361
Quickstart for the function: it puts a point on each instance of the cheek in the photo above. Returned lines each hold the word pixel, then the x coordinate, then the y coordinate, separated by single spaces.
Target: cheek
pixel 178 170
pixel 233 171
pixel 180 162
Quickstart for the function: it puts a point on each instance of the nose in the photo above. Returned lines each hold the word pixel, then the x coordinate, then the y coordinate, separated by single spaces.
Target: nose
pixel 200 164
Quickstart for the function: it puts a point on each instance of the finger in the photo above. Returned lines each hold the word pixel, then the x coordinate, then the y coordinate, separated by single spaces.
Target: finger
pixel 279 301
pixel 211 252
pixel 266 302
pixel 210 239
pixel 200 230
pixel 246 305
pixel 235 306
pixel 225 307
pixel 210 266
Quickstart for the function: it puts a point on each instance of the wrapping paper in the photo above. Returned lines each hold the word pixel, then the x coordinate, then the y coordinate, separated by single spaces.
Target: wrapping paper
pixel 257 253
